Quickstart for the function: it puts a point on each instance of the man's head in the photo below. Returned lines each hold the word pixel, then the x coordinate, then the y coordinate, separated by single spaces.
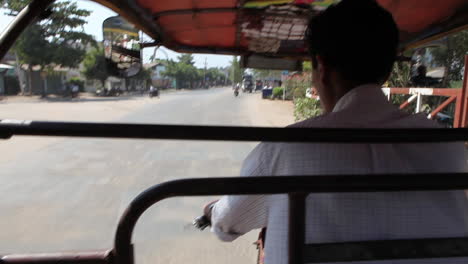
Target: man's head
pixel 352 43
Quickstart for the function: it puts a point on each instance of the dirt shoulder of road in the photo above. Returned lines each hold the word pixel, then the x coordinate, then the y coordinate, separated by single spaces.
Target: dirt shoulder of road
pixel 272 113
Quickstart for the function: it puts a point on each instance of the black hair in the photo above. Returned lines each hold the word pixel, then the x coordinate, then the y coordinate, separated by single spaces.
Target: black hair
pixel 357 38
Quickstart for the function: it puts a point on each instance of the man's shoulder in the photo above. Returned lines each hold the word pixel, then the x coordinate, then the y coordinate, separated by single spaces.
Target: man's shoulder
pixel 327 120
pixel 394 119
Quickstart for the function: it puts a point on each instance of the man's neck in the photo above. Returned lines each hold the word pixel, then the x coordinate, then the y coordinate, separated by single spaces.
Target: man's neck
pixel 334 95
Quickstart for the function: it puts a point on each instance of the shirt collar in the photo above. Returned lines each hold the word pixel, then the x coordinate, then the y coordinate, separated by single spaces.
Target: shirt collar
pixel 371 93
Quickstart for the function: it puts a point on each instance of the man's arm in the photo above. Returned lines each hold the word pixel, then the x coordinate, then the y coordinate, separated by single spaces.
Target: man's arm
pixel 233 216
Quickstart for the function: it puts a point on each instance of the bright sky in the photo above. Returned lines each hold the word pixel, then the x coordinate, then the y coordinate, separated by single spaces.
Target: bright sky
pixel 94 27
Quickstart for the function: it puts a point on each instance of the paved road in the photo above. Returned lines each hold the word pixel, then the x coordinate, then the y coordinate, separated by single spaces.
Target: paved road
pixel 67 194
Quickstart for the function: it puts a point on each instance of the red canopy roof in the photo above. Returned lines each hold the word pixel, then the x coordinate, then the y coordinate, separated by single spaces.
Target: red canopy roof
pixel 274 27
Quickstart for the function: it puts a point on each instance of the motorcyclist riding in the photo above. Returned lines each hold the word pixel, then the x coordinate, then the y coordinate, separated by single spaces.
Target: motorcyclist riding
pixel 153 91
pixel 236 90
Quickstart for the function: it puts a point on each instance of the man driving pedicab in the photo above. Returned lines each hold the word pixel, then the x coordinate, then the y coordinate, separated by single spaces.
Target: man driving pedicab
pixel 353 46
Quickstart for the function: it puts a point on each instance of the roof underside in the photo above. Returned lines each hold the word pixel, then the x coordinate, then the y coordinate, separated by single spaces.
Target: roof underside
pixel 272 27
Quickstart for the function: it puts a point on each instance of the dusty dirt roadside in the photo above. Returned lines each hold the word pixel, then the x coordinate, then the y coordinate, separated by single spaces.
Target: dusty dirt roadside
pixel 87 109
pixel 270 113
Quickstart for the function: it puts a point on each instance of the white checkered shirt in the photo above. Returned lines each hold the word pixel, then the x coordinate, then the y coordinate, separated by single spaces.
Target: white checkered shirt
pixel 352 216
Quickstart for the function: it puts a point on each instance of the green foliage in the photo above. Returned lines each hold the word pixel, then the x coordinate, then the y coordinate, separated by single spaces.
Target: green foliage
pixel 456 84
pixel 77 81
pixel 186 59
pixel 236 72
pixel 398 99
pixel 58 39
pixel 184 73
pixel 266 74
pixel 277 92
pixel 188 76
pixel 305 108
pixel 299 92
pixel 307 66
pixel 95 65
pixel 452 55
pixel 400 76
pixel 297 85
pixel 32 48
pixel 214 75
pixel 14 6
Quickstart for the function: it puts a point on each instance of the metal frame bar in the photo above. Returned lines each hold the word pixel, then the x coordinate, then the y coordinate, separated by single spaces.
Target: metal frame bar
pixel 427 91
pixel 463 118
pixel 98 257
pixel 409 101
pixel 297 220
pixel 9 128
pixel 460 96
pixel 294 185
pixel 442 106
pixel 20 23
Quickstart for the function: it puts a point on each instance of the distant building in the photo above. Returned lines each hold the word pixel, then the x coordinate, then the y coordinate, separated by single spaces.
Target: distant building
pixel 9 84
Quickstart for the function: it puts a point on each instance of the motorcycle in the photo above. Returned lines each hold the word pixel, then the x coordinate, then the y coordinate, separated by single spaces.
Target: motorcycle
pixel 236 90
pixel 154 93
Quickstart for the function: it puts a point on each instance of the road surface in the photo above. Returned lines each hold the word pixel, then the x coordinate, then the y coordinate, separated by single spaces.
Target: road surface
pixel 62 194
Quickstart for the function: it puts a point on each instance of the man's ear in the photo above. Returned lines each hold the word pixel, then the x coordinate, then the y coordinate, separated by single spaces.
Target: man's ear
pixel 322 70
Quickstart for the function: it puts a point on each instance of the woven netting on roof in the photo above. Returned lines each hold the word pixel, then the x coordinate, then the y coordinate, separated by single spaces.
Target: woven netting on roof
pixel 267 29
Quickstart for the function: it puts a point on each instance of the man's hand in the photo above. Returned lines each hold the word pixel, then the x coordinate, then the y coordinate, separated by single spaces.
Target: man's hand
pixel 208 208
pixel 204 221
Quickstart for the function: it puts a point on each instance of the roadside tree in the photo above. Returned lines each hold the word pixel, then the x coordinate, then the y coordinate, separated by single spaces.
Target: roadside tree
pixel 452 56
pixel 236 72
pixel 58 39
pixel 184 73
pixel 95 65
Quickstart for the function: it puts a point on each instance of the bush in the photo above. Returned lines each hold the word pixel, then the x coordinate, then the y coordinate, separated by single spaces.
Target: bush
pixel 305 108
pixel 277 92
pixel 299 92
pixel 400 76
pixel 297 85
pixel 456 84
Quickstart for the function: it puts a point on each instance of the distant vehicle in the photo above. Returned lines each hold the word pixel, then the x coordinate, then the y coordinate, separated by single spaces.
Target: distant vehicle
pixel 247 83
pixel 108 92
pixel 258 85
pixel 153 92
pixel 267 91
